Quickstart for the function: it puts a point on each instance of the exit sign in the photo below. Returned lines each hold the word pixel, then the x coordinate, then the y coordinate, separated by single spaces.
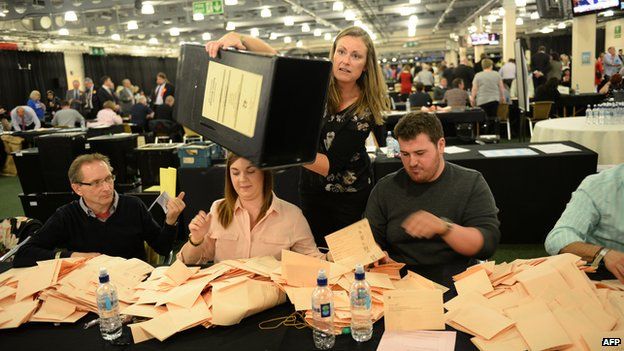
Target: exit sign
pixel 212 7
pixel 97 51
pixel 618 32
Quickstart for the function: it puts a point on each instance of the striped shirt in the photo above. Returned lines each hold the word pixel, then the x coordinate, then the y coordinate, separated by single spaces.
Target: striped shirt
pixel 594 215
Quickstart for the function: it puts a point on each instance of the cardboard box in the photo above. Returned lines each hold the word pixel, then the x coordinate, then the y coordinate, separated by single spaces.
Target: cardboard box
pixel 265 108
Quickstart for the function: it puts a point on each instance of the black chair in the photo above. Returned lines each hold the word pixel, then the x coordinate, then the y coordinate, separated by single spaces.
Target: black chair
pixel 165 127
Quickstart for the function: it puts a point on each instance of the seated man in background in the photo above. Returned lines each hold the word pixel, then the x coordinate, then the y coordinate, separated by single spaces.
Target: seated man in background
pixel 24 118
pixel 67 117
pixel 420 98
pixel 165 111
pixel 140 113
pixel 440 89
pixel 101 221
pixel 592 225
pixel 432 215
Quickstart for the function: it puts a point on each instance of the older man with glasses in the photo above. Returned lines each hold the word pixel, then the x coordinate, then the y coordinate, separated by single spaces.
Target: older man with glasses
pixel 101 221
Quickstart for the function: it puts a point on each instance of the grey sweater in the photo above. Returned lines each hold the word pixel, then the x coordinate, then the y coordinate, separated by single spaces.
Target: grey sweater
pixel 459 194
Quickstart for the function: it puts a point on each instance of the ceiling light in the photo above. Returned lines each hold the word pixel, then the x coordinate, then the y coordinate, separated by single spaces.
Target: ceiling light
pixel 153 41
pixel 413 20
pixel 231 2
pixel 519 21
pixel 349 15
pixel 70 16
pixel 406 11
pixel 373 36
pixel 317 32
pixel 299 44
pixel 2 14
pixel 357 23
pixel 501 12
pixel 116 37
pixel 338 6
pixel 561 25
pixel 289 21
pixel 63 31
pixel 521 3
pixel 287 40
pixel 132 25
pixel 546 30
pixel 206 36
pixel 394 59
pixel 411 31
pixel 198 17
pixel 265 13
pixel 305 28
pixel 230 26
pixel 174 32
pixel 414 2
pixel 492 18
pixel 147 9
pixel 327 36
pixel 273 36
pixel 255 32
pixel 472 29
pixel 534 15
pixel 608 13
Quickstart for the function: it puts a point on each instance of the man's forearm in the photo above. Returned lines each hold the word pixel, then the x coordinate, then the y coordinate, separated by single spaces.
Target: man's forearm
pixel 464 240
pixel 586 251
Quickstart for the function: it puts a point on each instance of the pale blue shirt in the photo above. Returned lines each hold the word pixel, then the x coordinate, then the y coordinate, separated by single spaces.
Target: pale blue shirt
pixel 594 215
pixel 612 64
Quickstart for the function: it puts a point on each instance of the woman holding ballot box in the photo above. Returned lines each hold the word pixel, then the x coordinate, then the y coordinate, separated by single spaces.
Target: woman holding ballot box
pixel 249 222
pixel 335 187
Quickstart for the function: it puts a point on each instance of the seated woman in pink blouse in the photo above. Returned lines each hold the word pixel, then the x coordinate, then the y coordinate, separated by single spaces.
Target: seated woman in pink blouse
pixel 249 222
pixel 107 116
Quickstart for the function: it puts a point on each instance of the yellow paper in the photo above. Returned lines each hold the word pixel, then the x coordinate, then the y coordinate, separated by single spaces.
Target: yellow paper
pixel 154 189
pixel 354 245
pixel 168 178
pixel 407 310
pixel 477 281
pixel 232 97
pixel 301 270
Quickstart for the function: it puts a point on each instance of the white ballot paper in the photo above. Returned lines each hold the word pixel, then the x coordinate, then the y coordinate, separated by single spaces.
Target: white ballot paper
pixel 162 200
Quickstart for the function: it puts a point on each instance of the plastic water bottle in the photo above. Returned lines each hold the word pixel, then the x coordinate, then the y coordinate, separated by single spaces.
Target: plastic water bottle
pixel 108 307
pixel 589 118
pixel 361 322
pixel 392 146
pixel 599 115
pixel 323 313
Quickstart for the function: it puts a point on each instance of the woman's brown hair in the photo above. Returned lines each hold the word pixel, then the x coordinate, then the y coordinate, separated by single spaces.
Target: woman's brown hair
pixel 225 209
pixel 371 82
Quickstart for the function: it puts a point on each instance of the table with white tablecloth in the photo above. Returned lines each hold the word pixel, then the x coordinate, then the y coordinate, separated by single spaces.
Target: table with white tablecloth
pixel 606 140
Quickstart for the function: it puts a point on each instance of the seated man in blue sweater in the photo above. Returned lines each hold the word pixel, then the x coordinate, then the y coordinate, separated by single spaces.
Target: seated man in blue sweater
pixel 101 221
pixel 433 215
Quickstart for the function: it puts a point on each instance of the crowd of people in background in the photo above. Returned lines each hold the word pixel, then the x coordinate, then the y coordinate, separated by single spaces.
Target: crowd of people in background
pixel 93 106
pixel 486 83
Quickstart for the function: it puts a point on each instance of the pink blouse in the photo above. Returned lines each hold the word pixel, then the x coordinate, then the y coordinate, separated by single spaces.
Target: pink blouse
pixel 106 117
pixel 283 227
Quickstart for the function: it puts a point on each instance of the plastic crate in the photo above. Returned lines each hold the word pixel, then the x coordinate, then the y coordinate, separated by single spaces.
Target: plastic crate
pixel 195 155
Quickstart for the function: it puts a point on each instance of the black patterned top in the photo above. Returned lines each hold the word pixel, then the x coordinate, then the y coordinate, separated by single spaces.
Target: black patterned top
pixel 342 140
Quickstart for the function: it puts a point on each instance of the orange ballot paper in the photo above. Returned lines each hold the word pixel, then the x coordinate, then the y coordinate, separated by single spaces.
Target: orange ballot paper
pixel 354 245
pixel 407 310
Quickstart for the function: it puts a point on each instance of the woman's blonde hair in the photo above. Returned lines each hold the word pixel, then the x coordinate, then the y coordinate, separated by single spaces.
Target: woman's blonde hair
pixel 109 104
pixel 225 209
pixel 371 82
pixel 35 93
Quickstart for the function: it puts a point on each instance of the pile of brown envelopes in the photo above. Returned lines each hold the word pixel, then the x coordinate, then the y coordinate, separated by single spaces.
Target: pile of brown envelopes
pixel 539 304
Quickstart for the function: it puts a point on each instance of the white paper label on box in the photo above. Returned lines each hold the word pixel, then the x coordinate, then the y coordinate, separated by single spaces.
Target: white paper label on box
pixel 188 160
pixel 232 97
pixel 33 203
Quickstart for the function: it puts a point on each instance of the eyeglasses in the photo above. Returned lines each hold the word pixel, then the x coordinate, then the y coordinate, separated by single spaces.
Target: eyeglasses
pixel 97 183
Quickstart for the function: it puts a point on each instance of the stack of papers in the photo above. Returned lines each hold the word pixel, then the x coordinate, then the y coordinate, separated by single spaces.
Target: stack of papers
pixel 540 304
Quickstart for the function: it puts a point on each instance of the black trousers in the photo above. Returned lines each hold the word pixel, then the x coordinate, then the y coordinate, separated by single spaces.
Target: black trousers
pixel 328 212
pixel 491 111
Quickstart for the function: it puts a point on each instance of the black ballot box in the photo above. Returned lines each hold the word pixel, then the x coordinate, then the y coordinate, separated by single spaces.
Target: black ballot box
pixel 29 171
pixel 31 135
pixel 42 206
pixel 56 153
pixel 152 157
pixel 120 150
pixel 97 131
pixel 266 108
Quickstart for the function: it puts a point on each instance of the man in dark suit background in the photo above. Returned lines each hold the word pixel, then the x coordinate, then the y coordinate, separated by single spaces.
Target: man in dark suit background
pixel 87 99
pixel 106 92
pixel 162 90
pixel 465 73
pixel 540 63
pixel 74 96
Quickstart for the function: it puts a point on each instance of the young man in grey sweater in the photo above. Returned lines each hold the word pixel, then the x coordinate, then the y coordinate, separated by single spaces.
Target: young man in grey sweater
pixel 431 213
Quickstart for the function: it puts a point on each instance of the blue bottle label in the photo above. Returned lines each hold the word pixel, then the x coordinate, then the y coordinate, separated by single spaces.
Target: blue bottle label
pixel 326 310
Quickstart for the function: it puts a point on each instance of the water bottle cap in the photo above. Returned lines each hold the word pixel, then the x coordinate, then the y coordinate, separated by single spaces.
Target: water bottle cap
pixel 321 280
pixel 359 272
pixel 104 278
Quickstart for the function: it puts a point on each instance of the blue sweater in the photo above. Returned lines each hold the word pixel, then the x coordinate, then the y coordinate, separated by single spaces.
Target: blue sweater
pixel 121 235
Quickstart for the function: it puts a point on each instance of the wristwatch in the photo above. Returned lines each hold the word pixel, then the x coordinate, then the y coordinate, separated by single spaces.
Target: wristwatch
pixel 449 226
pixel 599 256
